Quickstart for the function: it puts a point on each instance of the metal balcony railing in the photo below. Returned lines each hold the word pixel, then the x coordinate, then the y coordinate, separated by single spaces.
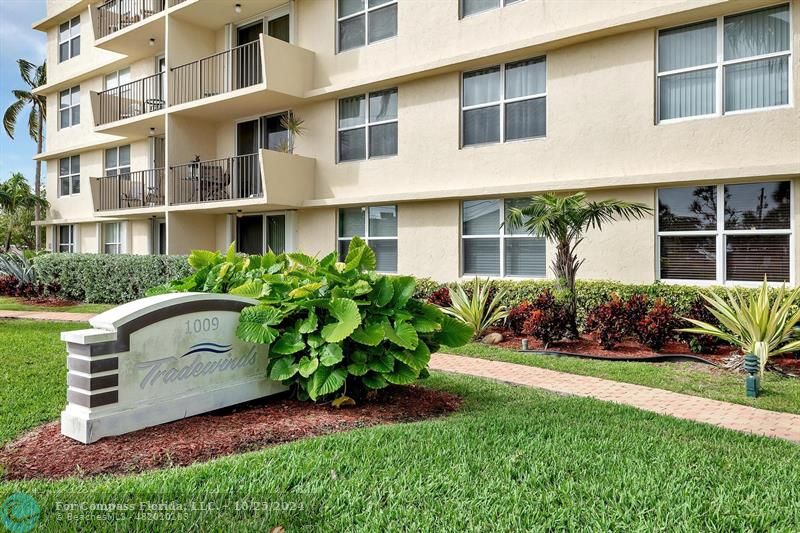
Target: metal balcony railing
pixel 115 15
pixel 220 73
pixel 142 188
pixel 229 178
pixel 132 99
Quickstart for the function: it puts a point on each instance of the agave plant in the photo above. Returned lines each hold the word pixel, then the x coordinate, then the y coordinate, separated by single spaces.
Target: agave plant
pixel 478 309
pixel 16 264
pixel 754 322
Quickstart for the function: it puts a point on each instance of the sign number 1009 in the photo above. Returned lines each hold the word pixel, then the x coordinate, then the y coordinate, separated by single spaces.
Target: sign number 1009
pixel 202 325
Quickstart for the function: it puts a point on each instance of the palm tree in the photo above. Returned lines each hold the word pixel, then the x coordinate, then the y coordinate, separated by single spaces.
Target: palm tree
pixel 33 76
pixel 564 220
pixel 16 194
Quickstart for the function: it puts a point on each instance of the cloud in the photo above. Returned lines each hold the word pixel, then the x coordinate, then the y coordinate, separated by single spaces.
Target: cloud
pixel 18 38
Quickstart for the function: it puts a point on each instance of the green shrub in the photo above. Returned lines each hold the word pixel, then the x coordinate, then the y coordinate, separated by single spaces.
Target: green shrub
pixel 108 279
pixel 334 328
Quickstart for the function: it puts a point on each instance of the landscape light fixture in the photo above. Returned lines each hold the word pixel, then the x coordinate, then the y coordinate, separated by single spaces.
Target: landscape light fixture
pixel 238 8
pixel 152 42
pixel 152 132
pixel 752 381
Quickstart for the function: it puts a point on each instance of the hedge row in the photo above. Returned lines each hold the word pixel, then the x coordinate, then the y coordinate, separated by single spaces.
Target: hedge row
pixel 109 279
pixel 591 293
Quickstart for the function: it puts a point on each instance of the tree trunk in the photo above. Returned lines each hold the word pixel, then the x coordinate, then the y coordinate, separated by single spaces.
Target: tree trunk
pixel 8 238
pixel 37 184
pixel 565 268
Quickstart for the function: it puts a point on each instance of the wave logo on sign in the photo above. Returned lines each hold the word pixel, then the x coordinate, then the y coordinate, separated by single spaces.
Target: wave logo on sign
pixel 208 347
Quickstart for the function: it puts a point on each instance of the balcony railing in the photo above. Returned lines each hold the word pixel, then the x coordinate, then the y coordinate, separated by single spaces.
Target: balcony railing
pixel 132 99
pixel 230 178
pixel 143 188
pixel 220 73
pixel 116 15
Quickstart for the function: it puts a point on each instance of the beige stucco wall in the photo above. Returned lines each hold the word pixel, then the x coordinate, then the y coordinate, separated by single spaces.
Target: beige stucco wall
pixel 140 236
pixel 316 231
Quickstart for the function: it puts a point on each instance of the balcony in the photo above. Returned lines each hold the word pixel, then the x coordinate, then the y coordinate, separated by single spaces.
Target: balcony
pixel 254 77
pixel 265 178
pixel 134 191
pixel 132 108
pixel 126 26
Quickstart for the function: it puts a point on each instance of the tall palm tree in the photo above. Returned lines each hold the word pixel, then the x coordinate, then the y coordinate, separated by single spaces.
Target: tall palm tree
pixel 33 76
pixel 16 194
pixel 564 220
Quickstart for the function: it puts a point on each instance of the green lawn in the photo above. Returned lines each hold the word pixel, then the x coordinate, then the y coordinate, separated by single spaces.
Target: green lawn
pixel 778 393
pixel 17 304
pixel 511 459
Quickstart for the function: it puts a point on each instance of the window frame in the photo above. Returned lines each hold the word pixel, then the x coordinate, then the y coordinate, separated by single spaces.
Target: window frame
pixel 70 176
pixel 502 103
pixel 106 243
pixel 71 90
pixel 503 3
pixel 367 125
pixel 720 234
pixel 70 245
pixel 365 12
pixel 366 237
pixel 116 76
pixel 69 39
pixel 502 236
pixel 118 167
pixel 719 66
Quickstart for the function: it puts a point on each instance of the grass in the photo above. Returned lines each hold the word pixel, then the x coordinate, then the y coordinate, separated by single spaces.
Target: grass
pixel 511 459
pixel 778 393
pixel 8 303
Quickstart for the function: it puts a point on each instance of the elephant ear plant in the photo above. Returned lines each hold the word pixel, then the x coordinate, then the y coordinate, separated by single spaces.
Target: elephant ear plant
pixel 756 323
pixel 333 328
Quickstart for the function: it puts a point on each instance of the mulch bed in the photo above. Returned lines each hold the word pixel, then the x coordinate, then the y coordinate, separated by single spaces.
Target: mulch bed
pixel 45 453
pixel 585 345
pixel 47 302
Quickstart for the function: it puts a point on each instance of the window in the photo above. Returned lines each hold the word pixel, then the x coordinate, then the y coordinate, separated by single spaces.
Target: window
pixel 368 125
pixel 491 250
pixel 69 107
pixel 120 77
pixel 504 103
pixel 69 175
pixel 470 7
pixel 725 65
pixel 112 238
pixel 375 224
pixel 725 233
pixel 255 234
pixel 118 160
pixel 69 39
pixel 66 238
pixel 362 22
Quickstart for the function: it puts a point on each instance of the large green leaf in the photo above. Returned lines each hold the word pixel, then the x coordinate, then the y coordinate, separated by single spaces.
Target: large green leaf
pixel 307 365
pixel 331 354
pixel 383 291
pixel 369 334
pixel 374 381
pixel 255 324
pixel 326 381
pixel 417 359
pixel 383 362
pixel 454 332
pixel 360 256
pixel 404 287
pixel 348 318
pixel 306 290
pixel 202 258
pixel 288 343
pixel 403 374
pixel 357 369
pixel 403 334
pixel 250 289
pixel 283 368
pixel 308 324
pixel 303 259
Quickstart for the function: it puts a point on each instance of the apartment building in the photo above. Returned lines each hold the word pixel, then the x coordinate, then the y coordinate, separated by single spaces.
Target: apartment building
pixel 170 128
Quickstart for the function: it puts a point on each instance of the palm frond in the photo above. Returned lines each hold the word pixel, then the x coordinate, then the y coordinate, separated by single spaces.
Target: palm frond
pixel 27 72
pixel 10 117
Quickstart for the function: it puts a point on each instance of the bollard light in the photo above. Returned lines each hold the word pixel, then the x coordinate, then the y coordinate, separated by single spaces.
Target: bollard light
pixel 751 366
pixel 525 344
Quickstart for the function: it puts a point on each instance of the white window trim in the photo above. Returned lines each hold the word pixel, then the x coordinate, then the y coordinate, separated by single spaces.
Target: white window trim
pixel 502 103
pixel 721 63
pixel 365 12
pixel 721 233
pixel 68 40
pixel 367 125
pixel 117 168
pixel 287 231
pixel 71 245
pixel 119 243
pixel 70 176
pixel 366 236
pixel 502 236
pixel 116 75
pixel 70 107
pixel 503 3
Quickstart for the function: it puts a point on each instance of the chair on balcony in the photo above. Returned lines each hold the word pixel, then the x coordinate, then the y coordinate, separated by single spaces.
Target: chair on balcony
pixel 214 183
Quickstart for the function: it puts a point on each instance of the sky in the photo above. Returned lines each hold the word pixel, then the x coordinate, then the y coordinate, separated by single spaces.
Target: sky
pixel 18 40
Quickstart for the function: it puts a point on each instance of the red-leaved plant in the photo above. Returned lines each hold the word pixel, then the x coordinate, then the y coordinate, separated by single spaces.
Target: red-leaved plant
pixel 548 320
pixel 657 326
pixel 608 322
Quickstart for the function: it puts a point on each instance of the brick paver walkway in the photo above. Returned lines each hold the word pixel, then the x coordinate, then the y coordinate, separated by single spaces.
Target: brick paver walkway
pixel 59 316
pixel 723 414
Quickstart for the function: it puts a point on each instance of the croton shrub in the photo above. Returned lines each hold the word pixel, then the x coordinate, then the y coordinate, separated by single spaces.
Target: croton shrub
pixel 334 329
